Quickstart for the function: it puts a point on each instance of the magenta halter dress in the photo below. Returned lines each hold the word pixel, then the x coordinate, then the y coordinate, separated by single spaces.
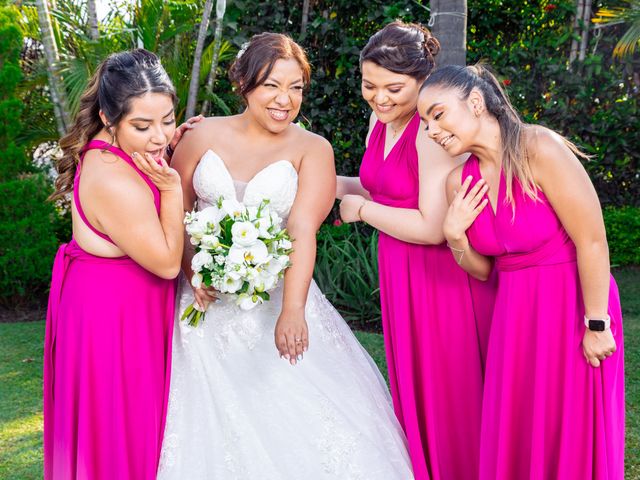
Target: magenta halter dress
pixel 107 358
pixel 547 414
pixel 432 337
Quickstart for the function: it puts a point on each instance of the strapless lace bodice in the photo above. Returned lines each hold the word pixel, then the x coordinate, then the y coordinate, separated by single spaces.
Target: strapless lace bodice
pixel 277 182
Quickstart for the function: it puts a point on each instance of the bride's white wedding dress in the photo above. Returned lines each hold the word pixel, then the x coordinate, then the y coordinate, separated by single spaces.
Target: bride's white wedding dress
pixel 238 411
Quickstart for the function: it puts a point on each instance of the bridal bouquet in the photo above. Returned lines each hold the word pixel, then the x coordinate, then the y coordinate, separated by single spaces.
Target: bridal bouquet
pixel 240 250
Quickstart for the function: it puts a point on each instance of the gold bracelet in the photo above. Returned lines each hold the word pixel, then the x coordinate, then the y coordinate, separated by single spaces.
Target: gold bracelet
pixel 360 210
pixel 455 251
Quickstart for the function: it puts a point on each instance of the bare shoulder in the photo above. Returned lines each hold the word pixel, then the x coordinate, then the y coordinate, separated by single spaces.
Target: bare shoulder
pixel 107 176
pixel 543 145
pixel 207 129
pixel 313 143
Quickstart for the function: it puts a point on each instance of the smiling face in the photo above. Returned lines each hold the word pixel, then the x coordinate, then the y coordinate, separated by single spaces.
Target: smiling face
pixel 148 127
pixel 276 103
pixel 452 122
pixel 391 96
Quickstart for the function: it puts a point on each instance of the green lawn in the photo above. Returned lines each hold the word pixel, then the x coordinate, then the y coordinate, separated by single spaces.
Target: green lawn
pixel 21 384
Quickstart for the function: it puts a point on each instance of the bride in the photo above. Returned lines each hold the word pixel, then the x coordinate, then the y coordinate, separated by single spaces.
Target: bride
pixel 314 404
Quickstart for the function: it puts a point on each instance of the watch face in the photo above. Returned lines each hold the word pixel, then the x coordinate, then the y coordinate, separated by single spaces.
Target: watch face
pixel 596 325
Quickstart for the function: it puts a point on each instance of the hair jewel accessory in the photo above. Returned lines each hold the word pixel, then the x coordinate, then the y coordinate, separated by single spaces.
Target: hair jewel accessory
pixel 243 49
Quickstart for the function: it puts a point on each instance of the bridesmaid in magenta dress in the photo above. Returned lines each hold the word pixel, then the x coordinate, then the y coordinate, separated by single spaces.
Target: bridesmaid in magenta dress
pixel 433 339
pixel 554 387
pixel 111 305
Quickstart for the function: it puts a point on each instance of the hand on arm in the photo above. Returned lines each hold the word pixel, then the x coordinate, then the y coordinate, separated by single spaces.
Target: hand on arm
pixel 316 193
pixel 422 225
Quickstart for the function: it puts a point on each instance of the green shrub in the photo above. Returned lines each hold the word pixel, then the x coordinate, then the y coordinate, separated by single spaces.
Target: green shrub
pixel 623 234
pixel 27 240
pixel 347 273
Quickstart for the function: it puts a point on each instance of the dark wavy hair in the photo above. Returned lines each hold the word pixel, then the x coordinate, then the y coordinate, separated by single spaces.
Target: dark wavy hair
pixel 404 48
pixel 256 59
pixel 118 79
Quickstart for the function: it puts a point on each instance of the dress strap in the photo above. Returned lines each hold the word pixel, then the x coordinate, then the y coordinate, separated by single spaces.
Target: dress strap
pixel 101 145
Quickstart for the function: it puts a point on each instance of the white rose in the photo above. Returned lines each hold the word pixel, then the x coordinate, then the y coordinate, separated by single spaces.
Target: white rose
pixel 201 259
pixel 196 280
pixel 244 233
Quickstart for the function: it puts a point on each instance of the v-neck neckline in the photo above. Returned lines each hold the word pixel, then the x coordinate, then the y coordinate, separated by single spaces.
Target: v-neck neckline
pixel 494 210
pixel 393 147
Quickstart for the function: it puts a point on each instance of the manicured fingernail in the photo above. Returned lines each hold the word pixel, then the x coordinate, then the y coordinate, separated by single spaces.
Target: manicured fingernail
pixel 293 361
pixel 217 300
pixel 305 349
pixel 299 357
pixel 286 355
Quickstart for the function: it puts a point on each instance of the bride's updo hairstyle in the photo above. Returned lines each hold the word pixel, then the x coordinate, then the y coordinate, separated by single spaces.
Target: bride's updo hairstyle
pixel 256 59
pixel 404 48
pixel 118 79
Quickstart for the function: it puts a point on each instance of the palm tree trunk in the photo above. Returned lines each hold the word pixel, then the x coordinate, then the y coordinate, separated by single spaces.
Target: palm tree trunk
pixel 56 86
pixel 573 54
pixel 94 34
pixel 586 23
pixel 305 17
pixel 197 58
pixel 221 6
pixel 449 25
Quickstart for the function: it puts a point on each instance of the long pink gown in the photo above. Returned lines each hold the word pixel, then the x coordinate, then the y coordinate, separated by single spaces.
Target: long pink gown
pixel 547 414
pixel 106 362
pixel 432 338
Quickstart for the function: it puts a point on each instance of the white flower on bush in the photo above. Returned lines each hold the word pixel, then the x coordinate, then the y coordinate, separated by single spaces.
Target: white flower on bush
pixel 219 259
pixel 255 254
pixel 201 259
pixel 244 234
pixel 233 208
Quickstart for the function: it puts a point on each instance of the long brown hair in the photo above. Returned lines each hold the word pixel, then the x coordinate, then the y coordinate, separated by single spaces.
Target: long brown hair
pixel 515 158
pixel 119 78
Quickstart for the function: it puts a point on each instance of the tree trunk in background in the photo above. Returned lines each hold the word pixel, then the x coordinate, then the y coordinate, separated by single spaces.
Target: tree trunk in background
pixel 221 6
pixel 448 24
pixel 94 34
pixel 197 58
pixel 305 17
pixel 56 86
pixel 576 30
pixel 586 25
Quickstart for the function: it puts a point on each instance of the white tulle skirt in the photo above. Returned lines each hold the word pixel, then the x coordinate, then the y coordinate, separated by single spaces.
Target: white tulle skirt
pixel 238 411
